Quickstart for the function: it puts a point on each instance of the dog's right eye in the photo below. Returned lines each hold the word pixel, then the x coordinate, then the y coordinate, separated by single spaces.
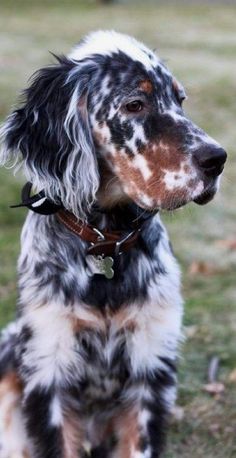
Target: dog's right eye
pixel 135 106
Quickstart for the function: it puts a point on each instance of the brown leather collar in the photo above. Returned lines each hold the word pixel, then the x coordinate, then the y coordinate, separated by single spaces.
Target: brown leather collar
pixel 102 242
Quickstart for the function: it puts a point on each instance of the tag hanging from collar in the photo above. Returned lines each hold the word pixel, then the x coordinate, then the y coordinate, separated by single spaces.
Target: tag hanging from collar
pixel 38 203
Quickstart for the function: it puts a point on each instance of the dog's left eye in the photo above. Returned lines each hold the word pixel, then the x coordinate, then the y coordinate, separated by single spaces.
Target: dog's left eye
pixel 134 107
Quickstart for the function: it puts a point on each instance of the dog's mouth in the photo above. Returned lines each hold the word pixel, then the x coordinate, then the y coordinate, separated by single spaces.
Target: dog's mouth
pixel 202 199
pixel 205 197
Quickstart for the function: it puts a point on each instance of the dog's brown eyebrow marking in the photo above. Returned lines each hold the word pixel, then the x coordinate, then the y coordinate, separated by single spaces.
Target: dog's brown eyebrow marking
pixel 146 86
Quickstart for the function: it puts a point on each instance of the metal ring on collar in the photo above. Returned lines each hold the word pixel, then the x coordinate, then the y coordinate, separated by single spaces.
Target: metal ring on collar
pixel 121 241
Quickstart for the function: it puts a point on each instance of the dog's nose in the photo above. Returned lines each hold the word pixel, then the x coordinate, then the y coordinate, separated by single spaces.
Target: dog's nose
pixel 210 159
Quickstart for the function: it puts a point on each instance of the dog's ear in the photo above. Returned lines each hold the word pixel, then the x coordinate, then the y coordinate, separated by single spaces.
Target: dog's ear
pixel 50 135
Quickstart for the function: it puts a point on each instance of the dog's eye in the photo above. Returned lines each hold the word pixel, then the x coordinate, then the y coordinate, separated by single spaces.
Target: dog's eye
pixel 135 106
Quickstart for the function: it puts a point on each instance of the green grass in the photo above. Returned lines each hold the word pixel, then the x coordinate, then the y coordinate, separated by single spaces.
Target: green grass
pixel 198 43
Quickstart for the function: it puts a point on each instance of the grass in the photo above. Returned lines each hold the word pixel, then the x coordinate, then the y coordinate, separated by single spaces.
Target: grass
pixel 198 42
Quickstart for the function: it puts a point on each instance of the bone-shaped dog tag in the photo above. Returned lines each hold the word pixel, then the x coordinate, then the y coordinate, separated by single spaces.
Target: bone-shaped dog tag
pixel 100 265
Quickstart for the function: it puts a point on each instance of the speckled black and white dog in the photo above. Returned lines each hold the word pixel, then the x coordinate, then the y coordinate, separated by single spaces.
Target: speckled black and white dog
pixel 89 366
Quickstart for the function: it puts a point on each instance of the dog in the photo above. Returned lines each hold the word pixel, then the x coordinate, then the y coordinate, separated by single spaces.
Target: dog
pixel 89 366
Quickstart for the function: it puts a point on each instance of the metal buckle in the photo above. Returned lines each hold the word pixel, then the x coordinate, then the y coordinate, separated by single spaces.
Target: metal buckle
pixel 121 241
pixel 101 235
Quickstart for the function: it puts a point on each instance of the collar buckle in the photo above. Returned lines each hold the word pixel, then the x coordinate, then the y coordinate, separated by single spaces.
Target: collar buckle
pixel 120 242
pixel 100 234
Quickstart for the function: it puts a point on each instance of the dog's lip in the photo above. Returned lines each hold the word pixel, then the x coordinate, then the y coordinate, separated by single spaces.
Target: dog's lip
pixel 205 197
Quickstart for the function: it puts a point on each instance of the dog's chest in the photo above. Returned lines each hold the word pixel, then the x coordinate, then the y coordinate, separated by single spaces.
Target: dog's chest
pixel 94 336
pixel 118 347
pixel 106 364
pixel 97 353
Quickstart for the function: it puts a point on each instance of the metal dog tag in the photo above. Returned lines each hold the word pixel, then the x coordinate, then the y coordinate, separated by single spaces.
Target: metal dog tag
pixel 100 265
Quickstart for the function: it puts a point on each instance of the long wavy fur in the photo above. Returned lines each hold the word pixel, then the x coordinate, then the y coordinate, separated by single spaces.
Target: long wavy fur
pixel 50 135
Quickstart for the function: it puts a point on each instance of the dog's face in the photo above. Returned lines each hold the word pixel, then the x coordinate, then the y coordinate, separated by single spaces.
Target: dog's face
pixel 107 124
pixel 161 159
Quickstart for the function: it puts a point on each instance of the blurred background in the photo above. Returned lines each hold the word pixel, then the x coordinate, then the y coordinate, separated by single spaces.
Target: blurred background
pixel 198 42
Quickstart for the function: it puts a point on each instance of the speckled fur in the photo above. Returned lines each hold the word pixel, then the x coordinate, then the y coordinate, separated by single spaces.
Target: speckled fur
pixel 90 365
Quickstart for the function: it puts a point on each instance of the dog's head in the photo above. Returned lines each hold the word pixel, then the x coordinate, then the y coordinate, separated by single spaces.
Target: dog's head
pixel 107 124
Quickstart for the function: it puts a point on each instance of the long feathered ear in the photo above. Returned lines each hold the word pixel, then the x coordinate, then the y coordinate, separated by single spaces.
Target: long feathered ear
pixel 50 135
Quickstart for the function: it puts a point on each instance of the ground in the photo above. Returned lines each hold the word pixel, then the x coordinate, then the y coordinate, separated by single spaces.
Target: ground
pixel 198 43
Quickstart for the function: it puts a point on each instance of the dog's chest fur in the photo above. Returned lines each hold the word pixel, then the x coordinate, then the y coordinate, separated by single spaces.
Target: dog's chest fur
pixel 89 334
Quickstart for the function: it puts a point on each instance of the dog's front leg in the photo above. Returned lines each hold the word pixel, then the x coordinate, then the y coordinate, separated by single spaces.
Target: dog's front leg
pixel 141 427
pixel 48 366
pixel 53 427
pixel 42 413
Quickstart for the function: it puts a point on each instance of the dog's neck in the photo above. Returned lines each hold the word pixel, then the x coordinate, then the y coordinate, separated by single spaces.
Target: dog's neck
pixel 114 209
pixel 106 229
pixel 121 217
pixel 110 193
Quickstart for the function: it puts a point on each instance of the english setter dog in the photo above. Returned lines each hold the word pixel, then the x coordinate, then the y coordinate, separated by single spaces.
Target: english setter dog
pixel 89 366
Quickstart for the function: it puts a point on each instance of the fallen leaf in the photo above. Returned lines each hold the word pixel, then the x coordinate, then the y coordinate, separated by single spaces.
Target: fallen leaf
pixel 177 413
pixel 190 331
pixel 230 243
pixel 232 376
pixel 215 429
pixel 229 429
pixel 214 388
pixel 201 267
